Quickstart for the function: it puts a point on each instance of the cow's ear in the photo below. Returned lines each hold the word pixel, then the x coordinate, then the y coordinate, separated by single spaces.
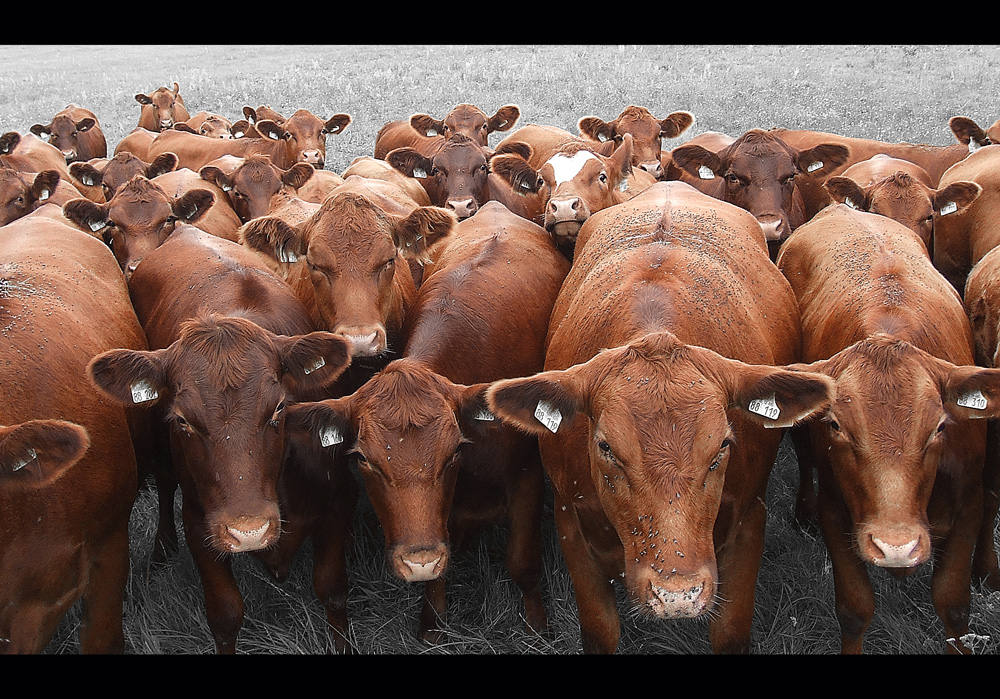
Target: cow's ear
pixel 130 377
pixel 698 161
pixel 596 128
pixel 971 392
pixel 324 424
pixel 161 165
pixel 270 130
pixel 955 198
pixel 472 410
pixel 504 119
pixel 41 130
pixel 44 185
pixel 241 128
pixel 779 397
pixel 426 125
pixel 192 205
pixel 676 124
pixel 86 214
pixel 143 99
pixel 313 362
pixel 844 190
pixel 9 141
pixel 273 237
pixel 539 404
pixel 620 162
pixel 297 175
pixel 86 173
pixel 967 131
pixel 822 159
pixel 215 175
pixel 516 172
pixel 409 162
pixel 39 450
pixel 185 127
pixel 518 148
pixel 337 123
pixel 86 124
pixel 414 234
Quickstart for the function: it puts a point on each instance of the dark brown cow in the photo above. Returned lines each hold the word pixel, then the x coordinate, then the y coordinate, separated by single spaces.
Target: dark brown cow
pixel 76 132
pixel 481 315
pixel 252 186
pixel 574 179
pixel 763 174
pixel 111 174
pixel 301 139
pixel 647 132
pixel 902 191
pixel 960 241
pixel 656 448
pixel 141 216
pixel 348 262
pixel 230 349
pixel 458 176
pixel 161 108
pixel 65 506
pixel 970 134
pixel 900 452
pixel 425 133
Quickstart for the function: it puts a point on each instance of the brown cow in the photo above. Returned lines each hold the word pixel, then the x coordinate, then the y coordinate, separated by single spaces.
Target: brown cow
pixel 705 179
pixel 647 132
pixel 971 134
pixel 230 349
pixel 655 447
pixel 377 169
pixel 425 133
pixel 960 241
pixel 24 192
pixel 902 191
pixel 900 452
pixel 301 139
pixel 574 179
pixel 76 132
pixel 31 154
pixel 457 176
pixel 252 186
pixel 161 109
pixel 480 315
pixel 348 262
pixel 65 506
pixel 141 215
pixel 112 174
pixel 137 142
pixel 763 174
pixel 207 124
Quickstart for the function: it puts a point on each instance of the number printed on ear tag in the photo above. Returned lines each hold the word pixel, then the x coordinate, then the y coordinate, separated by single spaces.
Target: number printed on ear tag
pixel 705 173
pixel 548 415
pixel 329 436
pixel 315 365
pixel 485 415
pixel 766 407
pixel 143 391
pixel 949 208
pixel 973 399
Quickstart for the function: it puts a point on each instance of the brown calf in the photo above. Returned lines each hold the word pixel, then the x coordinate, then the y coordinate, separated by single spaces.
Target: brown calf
pixel 647 132
pixel 76 132
pixel 425 133
pixel 161 108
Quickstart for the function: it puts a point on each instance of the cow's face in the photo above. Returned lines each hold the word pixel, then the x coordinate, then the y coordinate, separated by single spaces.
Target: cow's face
pixel 163 107
pixel 223 387
pixel 20 196
pixel 647 132
pixel 455 177
pixel 664 422
pixel 64 133
pixel 254 182
pixel 304 136
pixel 469 121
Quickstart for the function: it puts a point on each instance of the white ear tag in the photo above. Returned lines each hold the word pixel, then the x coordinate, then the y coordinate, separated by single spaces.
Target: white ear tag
pixel 973 399
pixel 226 188
pixel 24 462
pixel 143 391
pixel 97 225
pixel 238 134
pixel 330 435
pixel 815 166
pixel 286 255
pixel 548 415
pixel 602 137
pixel 315 365
pixel 88 180
pixel 949 208
pixel 765 406
pixel 432 132
pixel 847 200
pixel 44 195
pixel 273 135
pixel 419 173
pixel 484 415
pixel 705 172
pixel 623 187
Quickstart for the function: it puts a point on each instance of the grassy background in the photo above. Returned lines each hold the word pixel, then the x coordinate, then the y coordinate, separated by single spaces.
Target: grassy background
pixel 893 93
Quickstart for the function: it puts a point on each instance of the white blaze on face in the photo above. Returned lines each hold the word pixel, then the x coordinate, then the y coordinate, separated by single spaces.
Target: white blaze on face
pixel 566 168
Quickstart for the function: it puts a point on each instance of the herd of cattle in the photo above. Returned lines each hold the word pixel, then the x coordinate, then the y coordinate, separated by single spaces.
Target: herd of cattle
pixel 210 307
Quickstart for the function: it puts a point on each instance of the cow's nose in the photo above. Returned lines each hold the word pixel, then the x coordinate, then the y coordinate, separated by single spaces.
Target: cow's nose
pixel 463 208
pixel 653 167
pixel 564 209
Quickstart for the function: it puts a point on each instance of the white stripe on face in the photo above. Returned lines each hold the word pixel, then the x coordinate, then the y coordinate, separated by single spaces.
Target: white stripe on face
pixel 564 169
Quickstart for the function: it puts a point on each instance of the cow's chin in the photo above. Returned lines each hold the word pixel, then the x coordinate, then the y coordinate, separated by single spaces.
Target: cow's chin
pixel 564 233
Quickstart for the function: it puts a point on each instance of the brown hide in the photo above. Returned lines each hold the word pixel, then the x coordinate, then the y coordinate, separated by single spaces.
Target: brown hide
pixel 647 132
pixel 231 347
pixel 899 455
pixel 66 535
pixel 137 142
pixel 112 174
pixel 970 134
pixel 658 463
pixel 23 192
pixel 161 109
pixel 76 132
pixel 252 185
pixel 29 153
pixel 208 124
pixel 705 181
pixel 425 133
pixel 962 239
pixel 377 169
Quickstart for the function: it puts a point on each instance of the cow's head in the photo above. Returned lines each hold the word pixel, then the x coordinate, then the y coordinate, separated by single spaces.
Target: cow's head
pixel 21 193
pixel 252 184
pixel 904 199
pixel 895 410
pixel 663 423
pixel 304 135
pixel 468 120
pixel 353 254
pixel 406 427
pixel 120 169
pixel 647 134
pixel 758 172
pixel 138 218
pixel 63 132
pixel 224 386
pixel 162 108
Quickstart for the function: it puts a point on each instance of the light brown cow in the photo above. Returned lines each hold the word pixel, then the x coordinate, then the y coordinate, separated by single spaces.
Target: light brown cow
pixel 960 241
pixel 257 187
pixel 24 192
pixel 207 124
pixel 647 132
pixel 900 452
pixel 902 191
pixel 76 132
pixel 377 169
pixel 65 506
pixel 425 133
pixel 161 108
pixel 137 142
pixel 656 448
pixel 111 174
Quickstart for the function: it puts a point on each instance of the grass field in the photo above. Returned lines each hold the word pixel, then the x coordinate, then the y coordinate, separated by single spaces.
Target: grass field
pixel 892 93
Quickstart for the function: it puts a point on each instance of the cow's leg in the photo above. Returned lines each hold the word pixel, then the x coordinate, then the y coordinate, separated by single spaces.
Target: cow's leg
pixel 805 499
pixel 984 565
pixel 738 564
pixel 223 601
pixel 101 628
pixel 433 611
pixel 330 580
pixel 524 547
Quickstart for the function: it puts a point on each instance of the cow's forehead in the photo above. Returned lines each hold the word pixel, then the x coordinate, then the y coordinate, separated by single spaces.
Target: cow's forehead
pixel 565 168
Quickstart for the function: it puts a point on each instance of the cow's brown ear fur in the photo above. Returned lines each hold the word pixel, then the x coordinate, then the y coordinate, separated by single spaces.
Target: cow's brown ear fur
pixel 337 123
pixel 44 185
pixel 273 237
pixel 192 205
pixel 676 124
pixel 130 377
pixel 690 157
pixel 414 234
pixel 596 128
pixel 86 214
pixel 326 422
pixel 297 175
pixel 40 129
pixel 9 141
pixel 961 194
pixel 518 148
pixel 313 362
pixel 472 409
pixel 504 119
pixel 143 99
pixel 270 130
pixel 621 160
pixel 822 159
pixel 965 129
pixel 844 190
pixel 514 170
pixel 779 397
pixel 426 125
pixel 39 450
pixel 554 395
pixel 161 165
pixel 409 161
